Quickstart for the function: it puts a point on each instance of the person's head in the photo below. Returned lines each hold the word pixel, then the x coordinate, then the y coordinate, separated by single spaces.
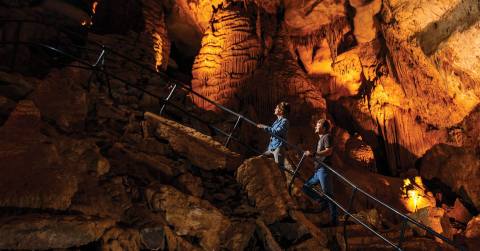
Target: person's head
pixel 282 109
pixel 322 126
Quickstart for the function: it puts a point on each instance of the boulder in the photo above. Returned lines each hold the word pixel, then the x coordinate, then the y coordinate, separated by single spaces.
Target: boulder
pixel 33 174
pixel 120 239
pixel 266 188
pixel 473 228
pixel 41 231
pixel 100 200
pixel 189 216
pixel 436 219
pixel 457 167
pixel 60 98
pixel 200 149
pixel 14 86
pixel 459 212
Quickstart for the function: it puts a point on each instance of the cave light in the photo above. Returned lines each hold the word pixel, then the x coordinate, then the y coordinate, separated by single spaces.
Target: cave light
pixel 415 195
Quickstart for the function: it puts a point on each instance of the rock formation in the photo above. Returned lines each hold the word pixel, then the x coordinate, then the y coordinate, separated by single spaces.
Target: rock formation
pixel 85 157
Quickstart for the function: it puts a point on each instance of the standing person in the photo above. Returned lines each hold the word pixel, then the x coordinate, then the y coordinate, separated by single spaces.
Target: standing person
pixel 279 128
pixel 323 154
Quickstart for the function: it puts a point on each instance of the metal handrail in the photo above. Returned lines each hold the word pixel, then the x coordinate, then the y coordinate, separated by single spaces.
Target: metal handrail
pixel 229 135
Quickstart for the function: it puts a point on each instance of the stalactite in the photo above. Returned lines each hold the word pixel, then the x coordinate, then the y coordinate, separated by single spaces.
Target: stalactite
pixel 333 32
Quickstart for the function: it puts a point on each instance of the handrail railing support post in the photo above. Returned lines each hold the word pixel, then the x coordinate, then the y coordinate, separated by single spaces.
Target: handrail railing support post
pixel 349 209
pixel 402 232
pixel 239 120
pixel 165 101
pixel 295 173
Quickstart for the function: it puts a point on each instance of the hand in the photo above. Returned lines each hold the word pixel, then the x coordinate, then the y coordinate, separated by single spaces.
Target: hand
pixel 261 126
pixel 307 153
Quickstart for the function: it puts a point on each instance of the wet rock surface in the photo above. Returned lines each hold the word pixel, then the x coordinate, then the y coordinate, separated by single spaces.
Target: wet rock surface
pixel 398 79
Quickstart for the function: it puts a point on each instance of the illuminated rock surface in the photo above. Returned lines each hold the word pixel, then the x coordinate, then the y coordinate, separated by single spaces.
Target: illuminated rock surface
pixel 398 79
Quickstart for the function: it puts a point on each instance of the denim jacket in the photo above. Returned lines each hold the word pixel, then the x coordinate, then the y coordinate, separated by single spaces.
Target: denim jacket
pixel 279 128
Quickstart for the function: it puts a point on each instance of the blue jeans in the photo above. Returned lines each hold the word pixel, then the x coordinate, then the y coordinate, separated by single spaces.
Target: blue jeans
pixel 321 177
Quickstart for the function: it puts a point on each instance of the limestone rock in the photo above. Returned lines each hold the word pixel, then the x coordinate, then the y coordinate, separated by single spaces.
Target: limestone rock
pixel 230 52
pixel 459 212
pixel 266 236
pixel 153 238
pixel 473 228
pixel 404 138
pixel 456 167
pixel 48 231
pixel 313 16
pixel 97 200
pixel 6 106
pixel 360 154
pixel 434 218
pixel 347 71
pixel 190 216
pixel 317 58
pixel 365 29
pixel 14 86
pixel 192 184
pixel 280 78
pixel 176 242
pixel 154 17
pixel 200 12
pixel 200 149
pixel 157 162
pixel 83 156
pixel 266 188
pixel 427 43
pixel 61 99
pixel 310 244
pixel 118 239
pixel 32 172
pixel 311 22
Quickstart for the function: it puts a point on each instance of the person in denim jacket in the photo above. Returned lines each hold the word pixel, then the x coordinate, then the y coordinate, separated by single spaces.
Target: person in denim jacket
pixel 279 128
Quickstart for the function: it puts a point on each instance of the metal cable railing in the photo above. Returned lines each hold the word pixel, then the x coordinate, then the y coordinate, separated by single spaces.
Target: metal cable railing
pixel 98 67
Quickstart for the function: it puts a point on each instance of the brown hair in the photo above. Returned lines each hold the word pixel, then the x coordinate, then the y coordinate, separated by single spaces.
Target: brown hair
pixel 285 107
pixel 325 124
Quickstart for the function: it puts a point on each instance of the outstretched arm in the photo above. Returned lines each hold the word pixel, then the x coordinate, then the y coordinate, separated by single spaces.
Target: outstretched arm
pixel 279 129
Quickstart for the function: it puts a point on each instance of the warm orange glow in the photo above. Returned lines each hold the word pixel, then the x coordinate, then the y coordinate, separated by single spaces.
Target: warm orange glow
pixel 415 195
pixel 86 22
pixel 94 7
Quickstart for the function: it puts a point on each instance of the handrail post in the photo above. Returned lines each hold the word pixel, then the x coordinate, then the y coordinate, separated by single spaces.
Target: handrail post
pixel 94 68
pixel 350 205
pixel 104 70
pixel 239 120
pixel 165 101
pixel 295 173
pixel 402 232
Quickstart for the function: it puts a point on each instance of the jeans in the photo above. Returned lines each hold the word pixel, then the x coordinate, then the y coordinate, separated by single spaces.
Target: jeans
pixel 278 155
pixel 321 177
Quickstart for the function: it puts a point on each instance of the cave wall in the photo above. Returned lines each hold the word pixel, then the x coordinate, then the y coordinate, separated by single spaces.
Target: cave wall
pixel 400 80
